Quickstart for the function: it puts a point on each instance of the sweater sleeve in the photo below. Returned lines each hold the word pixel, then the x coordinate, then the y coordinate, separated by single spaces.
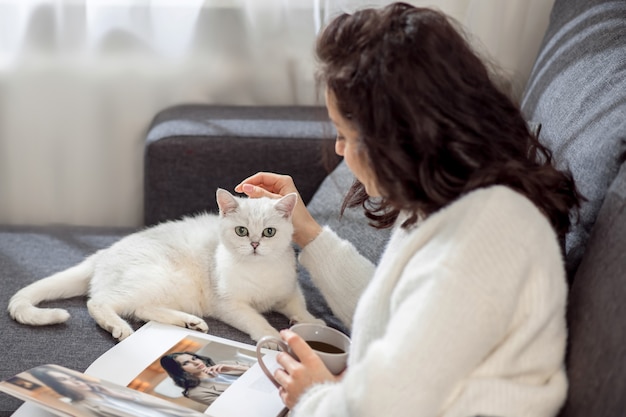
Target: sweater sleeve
pixel 415 366
pixel 339 271
pixel 451 325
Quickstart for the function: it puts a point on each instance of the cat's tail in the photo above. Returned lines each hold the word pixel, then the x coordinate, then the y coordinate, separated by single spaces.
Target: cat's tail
pixel 71 282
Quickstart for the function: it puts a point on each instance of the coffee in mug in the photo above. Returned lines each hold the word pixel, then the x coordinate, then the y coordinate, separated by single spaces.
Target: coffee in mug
pixel 331 346
pixel 324 347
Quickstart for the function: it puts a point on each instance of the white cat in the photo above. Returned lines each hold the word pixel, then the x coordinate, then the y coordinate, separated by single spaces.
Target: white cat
pixel 230 266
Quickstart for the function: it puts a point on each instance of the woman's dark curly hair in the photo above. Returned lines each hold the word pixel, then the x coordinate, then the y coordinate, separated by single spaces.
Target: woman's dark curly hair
pixel 432 120
pixel 181 378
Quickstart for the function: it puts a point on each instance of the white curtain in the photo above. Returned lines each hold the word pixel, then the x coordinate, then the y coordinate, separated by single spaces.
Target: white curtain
pixel 80 81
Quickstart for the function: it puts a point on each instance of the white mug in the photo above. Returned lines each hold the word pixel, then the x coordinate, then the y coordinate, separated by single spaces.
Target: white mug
pixel 329 344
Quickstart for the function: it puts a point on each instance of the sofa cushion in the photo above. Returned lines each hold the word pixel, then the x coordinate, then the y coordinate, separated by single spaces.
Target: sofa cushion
pixel 597 336
pixel 28 254
pixel 576 91
pixel 353 226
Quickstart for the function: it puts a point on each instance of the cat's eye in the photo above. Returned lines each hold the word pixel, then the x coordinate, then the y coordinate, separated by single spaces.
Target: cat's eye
pixel 269 232
pixel 241 231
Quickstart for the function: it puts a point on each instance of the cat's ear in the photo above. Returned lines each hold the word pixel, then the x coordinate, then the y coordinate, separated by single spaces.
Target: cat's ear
pixel 226 202
pixel 286 204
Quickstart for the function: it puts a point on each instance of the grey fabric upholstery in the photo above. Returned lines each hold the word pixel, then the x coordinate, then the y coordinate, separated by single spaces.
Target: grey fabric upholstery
pixel 26 255
pixel 192 150
pixel 596 362
pixel 576 91
pixel 352 225
pixel 31 253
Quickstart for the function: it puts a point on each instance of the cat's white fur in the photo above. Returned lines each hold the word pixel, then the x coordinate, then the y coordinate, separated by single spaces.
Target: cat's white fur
pixel 180 271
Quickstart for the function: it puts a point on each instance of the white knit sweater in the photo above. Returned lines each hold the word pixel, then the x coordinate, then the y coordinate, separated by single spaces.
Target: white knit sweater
pixel 464 315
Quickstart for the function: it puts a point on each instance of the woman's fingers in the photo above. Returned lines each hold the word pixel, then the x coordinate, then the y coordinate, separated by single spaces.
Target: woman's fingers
pixel 296 376
pixel 288 364
pixel 300 347
pixel 268 181
pixel 307 357
pixel 254 191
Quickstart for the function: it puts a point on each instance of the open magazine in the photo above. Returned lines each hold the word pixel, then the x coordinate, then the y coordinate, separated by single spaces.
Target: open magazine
pixel 130 379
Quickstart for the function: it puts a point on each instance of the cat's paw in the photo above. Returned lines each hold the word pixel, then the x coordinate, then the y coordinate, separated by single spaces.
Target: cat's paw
pixel 312 320
pixel 270 331
pixel 121 332
pixel 271 346
pixel 198 324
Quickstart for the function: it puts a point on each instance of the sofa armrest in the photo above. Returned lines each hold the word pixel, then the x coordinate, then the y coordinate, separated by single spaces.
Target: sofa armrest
pixel 192 150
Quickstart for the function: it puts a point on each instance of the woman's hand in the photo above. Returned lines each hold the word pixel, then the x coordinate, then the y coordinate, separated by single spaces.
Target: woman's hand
pixel 221 368
pixel 267 184
pixel 295 377
pixel 211 370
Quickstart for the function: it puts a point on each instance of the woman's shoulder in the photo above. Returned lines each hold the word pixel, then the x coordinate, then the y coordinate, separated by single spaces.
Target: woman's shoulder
pixel 494 231
pixel 501 216
pixel 496 213
pixel 497 195
pixel 496 204
pixel 201 391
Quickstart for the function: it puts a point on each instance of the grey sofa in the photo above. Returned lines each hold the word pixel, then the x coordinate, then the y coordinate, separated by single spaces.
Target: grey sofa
pixel 577 91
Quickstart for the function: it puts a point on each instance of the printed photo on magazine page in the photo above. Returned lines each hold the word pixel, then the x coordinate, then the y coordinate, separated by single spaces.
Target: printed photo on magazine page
pixel 159 371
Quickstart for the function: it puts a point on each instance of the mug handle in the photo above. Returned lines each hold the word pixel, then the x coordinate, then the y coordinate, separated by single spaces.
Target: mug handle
pixel 281 345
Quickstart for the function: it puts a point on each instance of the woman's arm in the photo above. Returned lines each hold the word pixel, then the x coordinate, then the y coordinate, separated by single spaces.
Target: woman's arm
pixel 471 307
pixel 338 271
pixel 432 341
pixel 336 267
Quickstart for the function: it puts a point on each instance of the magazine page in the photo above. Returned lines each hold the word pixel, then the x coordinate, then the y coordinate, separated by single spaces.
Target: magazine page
pixel 69 393
pixel 230 372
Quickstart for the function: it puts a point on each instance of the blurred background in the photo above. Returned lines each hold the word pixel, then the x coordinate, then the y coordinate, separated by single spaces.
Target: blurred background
pixel 80 81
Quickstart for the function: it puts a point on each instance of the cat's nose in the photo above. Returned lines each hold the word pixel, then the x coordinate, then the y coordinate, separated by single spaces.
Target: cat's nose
pixel 255 244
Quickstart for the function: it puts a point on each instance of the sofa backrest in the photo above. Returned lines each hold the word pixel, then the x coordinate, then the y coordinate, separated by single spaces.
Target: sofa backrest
pixel 577 91
pixel 596 361
pixel 191 150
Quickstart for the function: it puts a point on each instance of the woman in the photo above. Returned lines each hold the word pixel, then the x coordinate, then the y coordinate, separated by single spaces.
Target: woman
pixel 97 399
pixel 202 380
pixel 465 313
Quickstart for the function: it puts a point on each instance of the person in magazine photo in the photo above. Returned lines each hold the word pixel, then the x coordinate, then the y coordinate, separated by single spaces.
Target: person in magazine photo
pixel 94 398
pixel 200 377
pixel 129 380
